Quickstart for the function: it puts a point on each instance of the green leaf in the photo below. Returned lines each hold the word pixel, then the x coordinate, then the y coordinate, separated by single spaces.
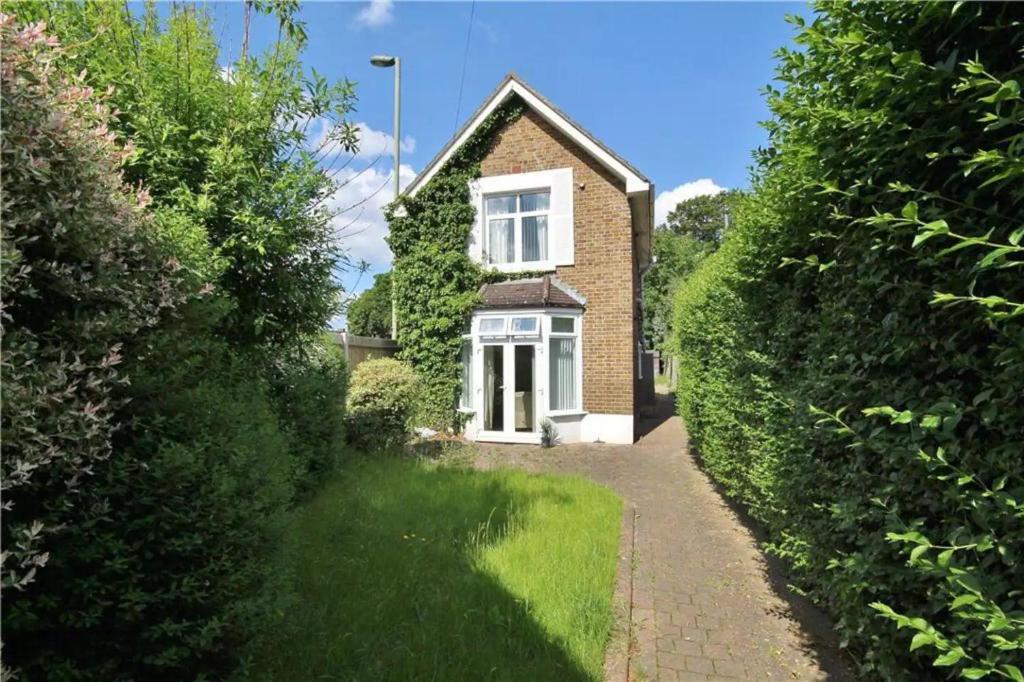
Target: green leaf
pixel 916 553
pixel 1008 90
pixel 910 210
pixel 932 229
pixel 921 639
pixel 995 255
pixel 983 396
pixel 999 622
pixel 974 673
pixel 949 658
pixel 910 536
pixel 963 600
pixel 1013 672
pixel 904 417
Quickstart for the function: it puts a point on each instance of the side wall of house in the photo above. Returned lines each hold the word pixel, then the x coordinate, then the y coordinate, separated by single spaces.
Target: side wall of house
pixel 604 268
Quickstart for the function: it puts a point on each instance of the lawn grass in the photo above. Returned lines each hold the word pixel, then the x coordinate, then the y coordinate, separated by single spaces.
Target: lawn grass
pixel 411 570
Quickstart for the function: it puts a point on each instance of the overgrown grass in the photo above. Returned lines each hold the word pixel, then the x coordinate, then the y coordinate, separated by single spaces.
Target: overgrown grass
pixel 412 570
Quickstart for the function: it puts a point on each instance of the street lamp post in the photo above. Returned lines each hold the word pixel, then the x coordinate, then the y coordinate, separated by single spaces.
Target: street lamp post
pixel 386 61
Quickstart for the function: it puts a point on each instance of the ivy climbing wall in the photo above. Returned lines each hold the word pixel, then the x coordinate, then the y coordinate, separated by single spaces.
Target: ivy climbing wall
pixel 435 280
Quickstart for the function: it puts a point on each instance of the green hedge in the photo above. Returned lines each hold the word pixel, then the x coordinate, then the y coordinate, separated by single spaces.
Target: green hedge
pixel 852 359
pixel 307 387
pixel 150 455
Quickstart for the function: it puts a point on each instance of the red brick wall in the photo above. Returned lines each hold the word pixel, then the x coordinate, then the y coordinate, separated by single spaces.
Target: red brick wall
pixel 605 266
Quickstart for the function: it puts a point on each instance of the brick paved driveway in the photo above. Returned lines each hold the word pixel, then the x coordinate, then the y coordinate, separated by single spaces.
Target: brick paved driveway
pixel 699 601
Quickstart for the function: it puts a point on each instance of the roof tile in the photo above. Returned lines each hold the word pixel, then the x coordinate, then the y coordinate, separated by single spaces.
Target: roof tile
pixel 537 292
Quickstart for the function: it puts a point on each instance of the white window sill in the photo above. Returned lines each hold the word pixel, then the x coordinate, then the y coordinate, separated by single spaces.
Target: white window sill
pixel 467 410
pixel 567 413
pixel 531 266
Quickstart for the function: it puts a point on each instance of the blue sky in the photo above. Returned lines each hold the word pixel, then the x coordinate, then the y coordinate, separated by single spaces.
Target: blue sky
pixel 675 88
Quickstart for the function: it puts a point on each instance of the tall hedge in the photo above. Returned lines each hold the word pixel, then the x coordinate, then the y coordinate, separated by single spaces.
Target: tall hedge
pixel 852 359
pixel 83 273
pixel 153 438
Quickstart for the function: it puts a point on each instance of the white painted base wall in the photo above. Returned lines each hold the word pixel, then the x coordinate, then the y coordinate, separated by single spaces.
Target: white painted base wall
pixel 607 428
pixel 615 429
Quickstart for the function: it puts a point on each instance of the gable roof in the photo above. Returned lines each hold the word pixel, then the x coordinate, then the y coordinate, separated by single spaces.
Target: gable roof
pixel 634 180
pixel 537 292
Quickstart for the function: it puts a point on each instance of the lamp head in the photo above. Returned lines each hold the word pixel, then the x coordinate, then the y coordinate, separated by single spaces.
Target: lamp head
pixel 382 60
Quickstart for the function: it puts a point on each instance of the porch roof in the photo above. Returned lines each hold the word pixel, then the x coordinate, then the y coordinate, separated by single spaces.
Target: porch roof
pixel 537 292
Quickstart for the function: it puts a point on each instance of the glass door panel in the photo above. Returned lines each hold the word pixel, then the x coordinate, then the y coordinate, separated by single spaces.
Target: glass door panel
pixel 494 388
pixel 524 389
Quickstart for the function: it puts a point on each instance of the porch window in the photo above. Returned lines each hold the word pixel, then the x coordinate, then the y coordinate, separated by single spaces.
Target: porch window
pixel 563 365
pixel 492 326
pixel 517 227
pixel 563 325
pixel 466 398
pixel 525 326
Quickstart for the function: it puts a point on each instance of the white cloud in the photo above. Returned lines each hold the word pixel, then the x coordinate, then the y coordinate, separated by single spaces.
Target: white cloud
pixel 377 13
pixel 666 201
pixel 361 229
pixel 374 143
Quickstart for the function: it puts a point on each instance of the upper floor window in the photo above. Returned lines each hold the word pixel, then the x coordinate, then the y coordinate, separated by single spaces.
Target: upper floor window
pixel 517 227
pixel 524 221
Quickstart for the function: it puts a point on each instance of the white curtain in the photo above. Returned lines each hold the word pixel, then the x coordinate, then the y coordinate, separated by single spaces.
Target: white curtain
pixel 563 374
pixel 500 241
pixel 535 238
pixel 536 201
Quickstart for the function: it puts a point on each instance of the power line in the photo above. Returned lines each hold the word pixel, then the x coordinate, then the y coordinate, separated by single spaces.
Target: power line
pixel 465 56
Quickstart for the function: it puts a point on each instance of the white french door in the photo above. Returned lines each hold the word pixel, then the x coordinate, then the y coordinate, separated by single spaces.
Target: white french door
pixel 509 392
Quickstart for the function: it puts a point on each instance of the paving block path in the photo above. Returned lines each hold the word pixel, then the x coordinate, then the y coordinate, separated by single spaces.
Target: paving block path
pixel 699 599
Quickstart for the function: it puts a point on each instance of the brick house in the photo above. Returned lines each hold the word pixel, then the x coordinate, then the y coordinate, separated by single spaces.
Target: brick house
pixel 564 345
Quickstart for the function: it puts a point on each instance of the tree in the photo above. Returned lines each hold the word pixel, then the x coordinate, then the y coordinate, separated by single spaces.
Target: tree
pixel 370 313
pixel 704 218
pixel 677 255
pixel 229 147
pixel 693 230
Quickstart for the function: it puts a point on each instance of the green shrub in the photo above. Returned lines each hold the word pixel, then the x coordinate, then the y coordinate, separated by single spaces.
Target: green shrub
pixel 82 276
pixel 308 388
pixel 151 449
pixel 852 359
pixel 162 568
pixel 382 400
pixel 676 257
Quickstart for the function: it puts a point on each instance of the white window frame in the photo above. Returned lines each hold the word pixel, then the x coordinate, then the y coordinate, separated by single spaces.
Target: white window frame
pixel 577 335
pixel 560 242
pixel 517 228
pixel 497 333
